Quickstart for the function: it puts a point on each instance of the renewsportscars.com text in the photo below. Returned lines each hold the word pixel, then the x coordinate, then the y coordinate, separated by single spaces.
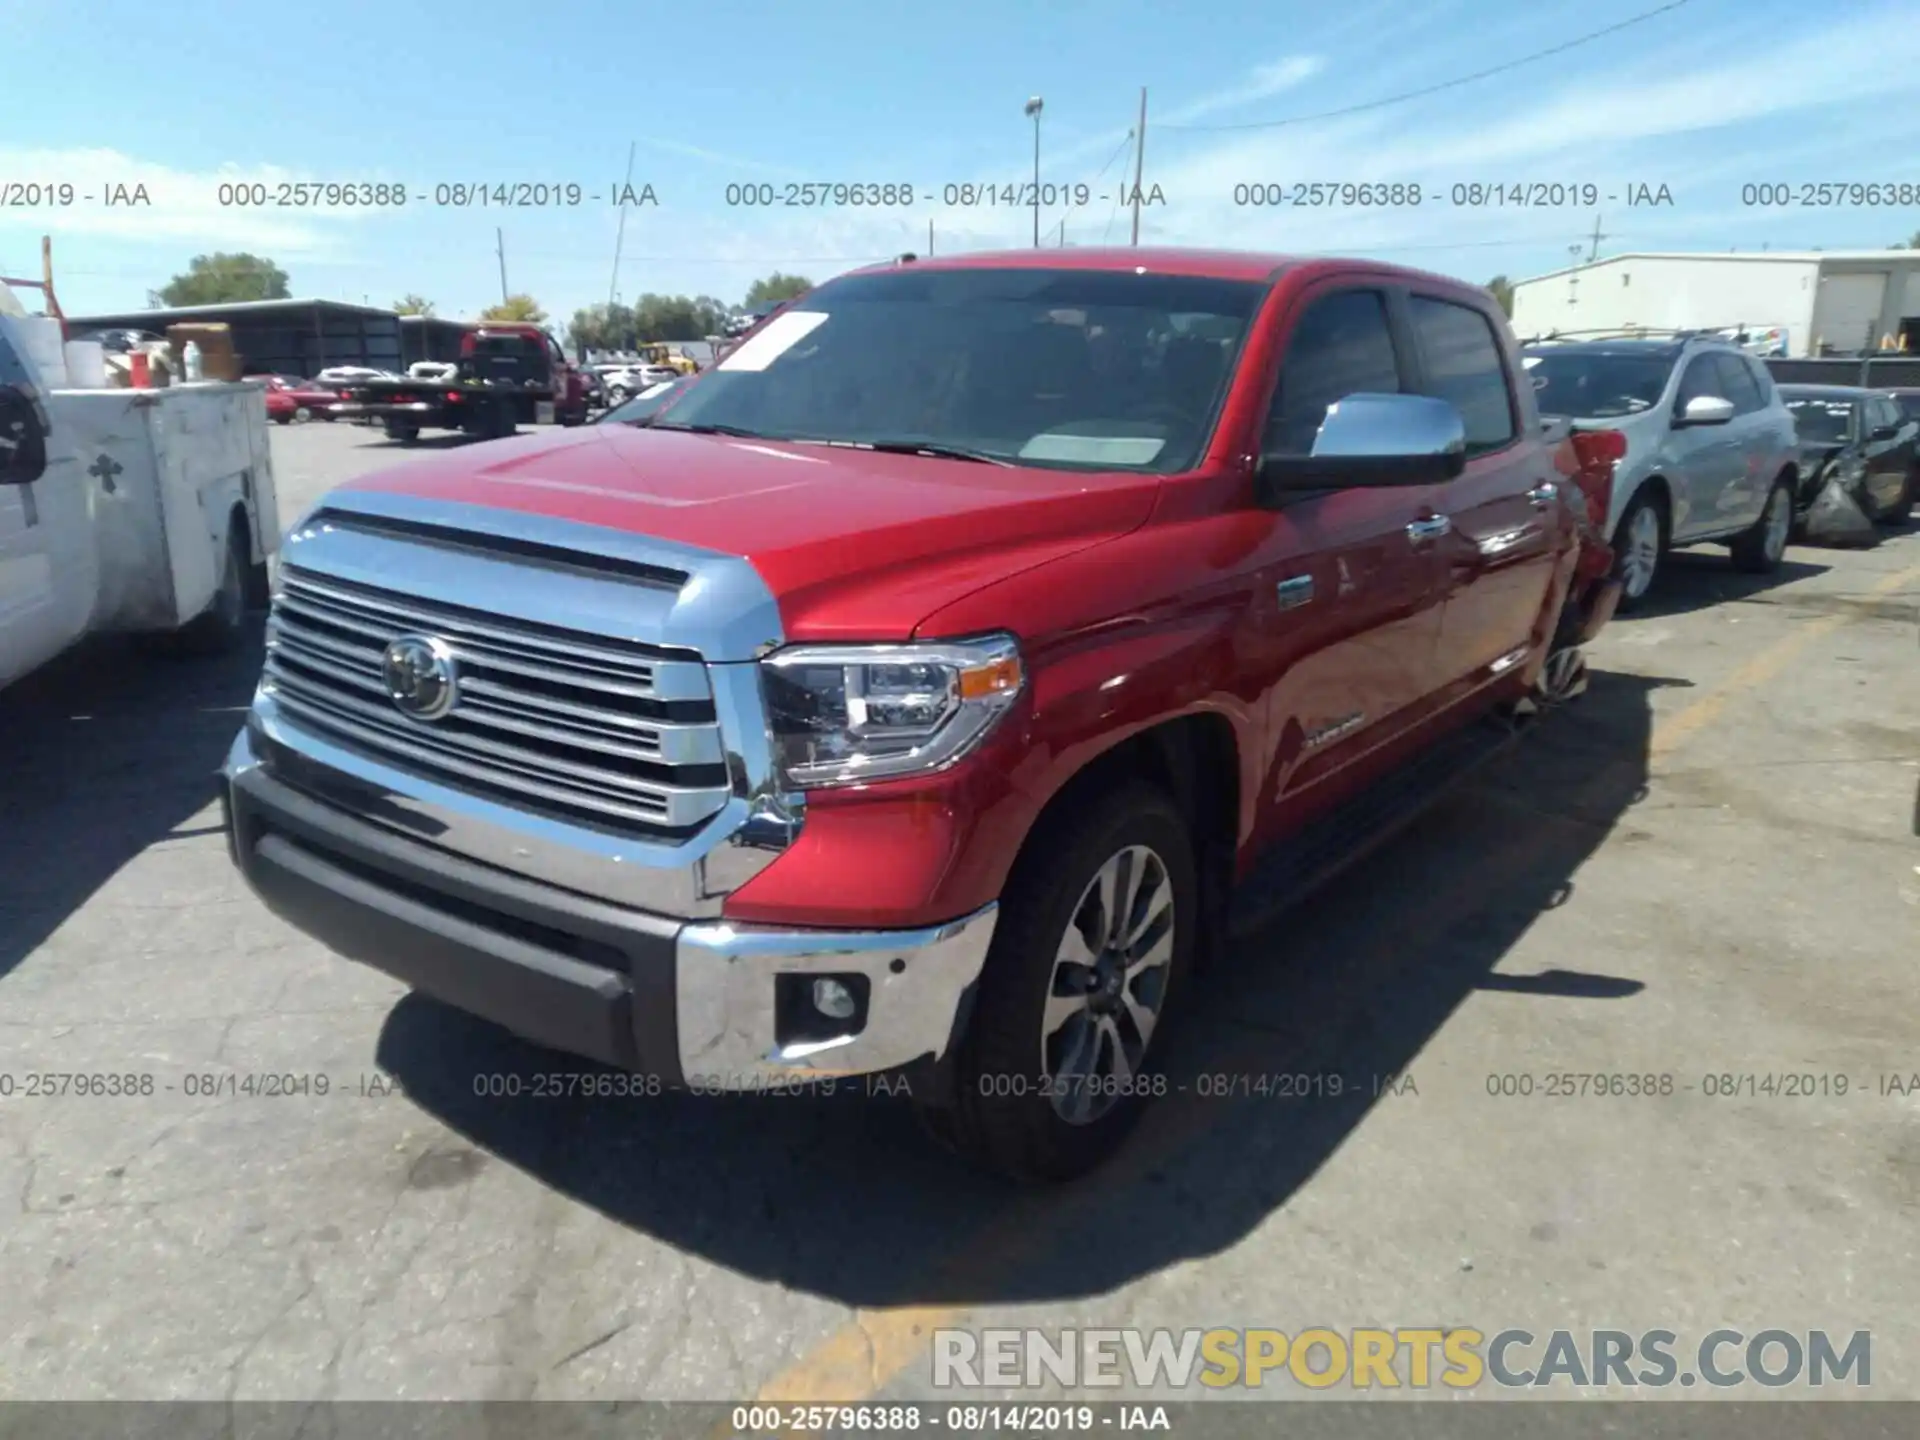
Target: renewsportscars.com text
pixel 1414 1358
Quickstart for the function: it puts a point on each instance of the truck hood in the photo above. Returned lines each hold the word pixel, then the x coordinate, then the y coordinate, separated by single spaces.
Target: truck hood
pixel 853 544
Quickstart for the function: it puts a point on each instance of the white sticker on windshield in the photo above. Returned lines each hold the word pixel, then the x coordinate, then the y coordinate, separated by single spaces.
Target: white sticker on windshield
pixel 776 337
pixel 1531 360
pixel 1094 449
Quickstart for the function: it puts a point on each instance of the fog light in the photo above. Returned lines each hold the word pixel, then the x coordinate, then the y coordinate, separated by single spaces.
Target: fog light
pixel 833 1000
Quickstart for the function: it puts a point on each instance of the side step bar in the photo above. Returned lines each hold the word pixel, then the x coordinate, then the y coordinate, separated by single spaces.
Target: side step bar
pixel 1304 862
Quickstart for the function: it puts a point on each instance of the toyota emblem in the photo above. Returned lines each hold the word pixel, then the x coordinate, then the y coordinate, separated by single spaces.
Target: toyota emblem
pixel 420 675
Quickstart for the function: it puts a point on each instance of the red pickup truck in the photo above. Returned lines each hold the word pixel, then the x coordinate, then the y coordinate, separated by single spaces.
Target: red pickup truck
pixel 936 684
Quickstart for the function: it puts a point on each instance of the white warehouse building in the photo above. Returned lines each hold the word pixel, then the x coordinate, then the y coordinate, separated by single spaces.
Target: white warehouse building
pixel 1798 303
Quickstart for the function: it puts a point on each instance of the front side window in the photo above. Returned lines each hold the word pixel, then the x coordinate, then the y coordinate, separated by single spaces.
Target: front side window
pixel 1341 346
pixel 1053 368
pixel 1464 366
pixel 1736 384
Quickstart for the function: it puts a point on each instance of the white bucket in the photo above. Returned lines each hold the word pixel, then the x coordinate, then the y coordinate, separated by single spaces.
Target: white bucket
pixel 86 365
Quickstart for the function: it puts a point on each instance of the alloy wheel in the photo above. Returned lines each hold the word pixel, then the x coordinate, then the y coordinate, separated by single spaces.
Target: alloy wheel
pixel 1779 522
pixel 1108 985
pixel 1641 556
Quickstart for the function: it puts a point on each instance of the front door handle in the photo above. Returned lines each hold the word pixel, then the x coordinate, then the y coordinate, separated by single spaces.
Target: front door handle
pixel 1430 527
pixel 1542 495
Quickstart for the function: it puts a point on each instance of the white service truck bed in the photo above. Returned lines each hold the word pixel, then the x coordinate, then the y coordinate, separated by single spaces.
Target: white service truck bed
pixel 128 530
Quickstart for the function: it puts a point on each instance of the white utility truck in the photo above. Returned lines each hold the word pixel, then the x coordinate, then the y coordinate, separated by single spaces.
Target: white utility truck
pixel 129 510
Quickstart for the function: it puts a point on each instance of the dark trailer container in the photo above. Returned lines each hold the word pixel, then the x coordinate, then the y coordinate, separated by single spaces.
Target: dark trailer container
pixel 278 337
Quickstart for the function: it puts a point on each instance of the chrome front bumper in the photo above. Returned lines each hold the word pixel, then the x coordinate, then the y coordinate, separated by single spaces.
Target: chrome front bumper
pixel 703 1003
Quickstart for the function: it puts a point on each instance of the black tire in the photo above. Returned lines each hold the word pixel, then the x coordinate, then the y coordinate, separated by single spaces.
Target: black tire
pixel 283 419
pixel 1632 565
pixel 405 434
pixel 504 424
pixel 1022 1135
pixel 1901 510
pixel 1758 550
pixel 223 626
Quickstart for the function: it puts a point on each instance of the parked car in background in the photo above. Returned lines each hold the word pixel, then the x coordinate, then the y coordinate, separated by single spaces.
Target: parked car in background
pixel 1864 438
pixel 1907 398
pixel 910 701
pixel 640 409
pixel 343 374
pixel 1710 448
pixel 294 401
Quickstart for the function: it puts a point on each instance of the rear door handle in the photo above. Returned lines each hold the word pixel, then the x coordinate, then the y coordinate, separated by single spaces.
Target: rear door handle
pixel 1431 527
pixel 1542 495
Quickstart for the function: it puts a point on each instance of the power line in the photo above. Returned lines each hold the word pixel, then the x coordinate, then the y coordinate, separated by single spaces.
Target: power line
pixel 1501 69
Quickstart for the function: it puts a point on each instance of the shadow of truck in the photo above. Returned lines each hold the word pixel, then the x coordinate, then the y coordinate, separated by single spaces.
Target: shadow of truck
pixel 839 1195
pixel 104 752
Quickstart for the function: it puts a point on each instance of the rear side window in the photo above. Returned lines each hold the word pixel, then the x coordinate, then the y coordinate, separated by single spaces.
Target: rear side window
pixel 1342 346
pixel 1736 383
pixel 1464 366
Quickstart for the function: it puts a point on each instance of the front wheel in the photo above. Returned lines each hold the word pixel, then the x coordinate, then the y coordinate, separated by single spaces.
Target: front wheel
pixel 302 415
pixel 1095 937
pixel 1758 551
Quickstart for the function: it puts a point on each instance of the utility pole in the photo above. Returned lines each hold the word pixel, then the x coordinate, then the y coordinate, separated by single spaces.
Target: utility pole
pixel 1139 161
pixel 1593 250
pixel 1034 107
pixel 929 235
pixel 620 235
pixel 500 248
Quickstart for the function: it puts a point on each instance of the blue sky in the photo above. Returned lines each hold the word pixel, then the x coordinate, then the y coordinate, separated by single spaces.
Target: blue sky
pixel 182 97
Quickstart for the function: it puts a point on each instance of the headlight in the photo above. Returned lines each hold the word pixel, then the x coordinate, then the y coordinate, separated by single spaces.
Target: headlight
pixel 847 713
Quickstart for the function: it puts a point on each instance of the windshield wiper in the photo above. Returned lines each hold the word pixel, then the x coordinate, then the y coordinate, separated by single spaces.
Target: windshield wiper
pixel 934 448
pixel 731 431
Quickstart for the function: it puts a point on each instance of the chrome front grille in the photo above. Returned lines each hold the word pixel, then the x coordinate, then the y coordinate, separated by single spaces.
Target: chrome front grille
pixel 582 727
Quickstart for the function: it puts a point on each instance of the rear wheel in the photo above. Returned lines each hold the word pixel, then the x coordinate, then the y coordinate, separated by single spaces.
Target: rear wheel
pixel 1758 550
pixel 1095 937
pixel 404 433
pixel 282 419
pixel 1900 511
pixel 302 415
pixel 1639 547
pixel 224 623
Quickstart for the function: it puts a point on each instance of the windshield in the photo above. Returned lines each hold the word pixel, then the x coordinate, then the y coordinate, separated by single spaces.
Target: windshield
pixel 1078 369
pixel 1592 384
pixel 1819 420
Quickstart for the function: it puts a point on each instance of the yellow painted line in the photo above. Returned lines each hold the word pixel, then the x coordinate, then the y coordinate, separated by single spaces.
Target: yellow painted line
pixel 1677 728
pixel 863 1355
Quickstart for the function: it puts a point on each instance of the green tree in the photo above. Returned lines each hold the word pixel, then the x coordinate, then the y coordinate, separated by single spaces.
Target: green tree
pixel 667 317
pixel 776 287
pixel 1912 243
pixel 221 279
pixel 1502 291
pixel 521 309
pixel 412 305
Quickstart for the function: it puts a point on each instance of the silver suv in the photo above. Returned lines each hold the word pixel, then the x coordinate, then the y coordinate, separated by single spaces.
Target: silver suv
pixel 1711 448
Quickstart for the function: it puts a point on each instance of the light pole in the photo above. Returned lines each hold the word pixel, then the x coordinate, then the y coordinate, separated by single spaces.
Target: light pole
pixel 1034 107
